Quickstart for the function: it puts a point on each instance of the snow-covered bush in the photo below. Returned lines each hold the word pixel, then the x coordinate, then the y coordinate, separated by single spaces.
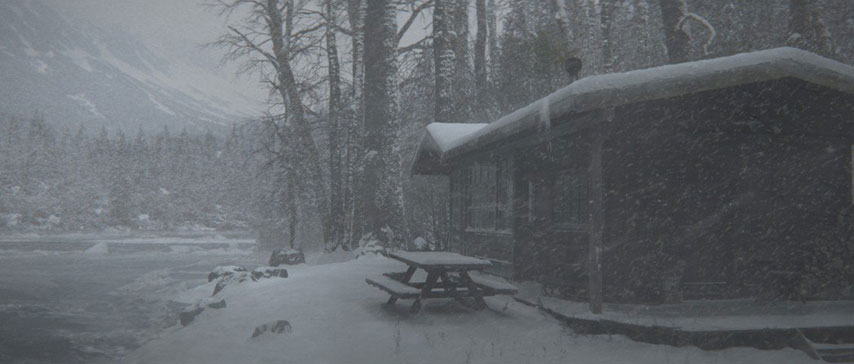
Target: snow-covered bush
pixel 421 244
pixel 269 272
pixel 369 245
pixel 224 270
pixel 286 257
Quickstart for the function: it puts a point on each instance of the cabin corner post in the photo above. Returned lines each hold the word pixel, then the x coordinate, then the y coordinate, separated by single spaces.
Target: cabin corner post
pixel 596 216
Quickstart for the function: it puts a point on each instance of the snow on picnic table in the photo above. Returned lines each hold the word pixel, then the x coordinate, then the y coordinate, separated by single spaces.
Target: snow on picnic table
pixel 337 318
pixel 440 258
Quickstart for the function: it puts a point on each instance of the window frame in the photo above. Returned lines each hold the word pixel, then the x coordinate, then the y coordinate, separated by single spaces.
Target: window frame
pixel 499 169
pixel 458 194
pixel 582 190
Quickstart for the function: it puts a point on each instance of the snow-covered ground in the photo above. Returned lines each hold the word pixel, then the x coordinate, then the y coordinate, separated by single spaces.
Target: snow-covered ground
pixel 336 318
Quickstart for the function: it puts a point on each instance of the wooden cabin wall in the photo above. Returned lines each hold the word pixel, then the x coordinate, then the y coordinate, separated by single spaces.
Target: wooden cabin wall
pixel 495 245
pixel 732 193
pixel 546 251
pixel 536 248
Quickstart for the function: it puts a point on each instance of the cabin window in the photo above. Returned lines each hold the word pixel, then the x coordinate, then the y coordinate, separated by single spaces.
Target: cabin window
pixel 570 204
pixel 458 197
pixel 489 195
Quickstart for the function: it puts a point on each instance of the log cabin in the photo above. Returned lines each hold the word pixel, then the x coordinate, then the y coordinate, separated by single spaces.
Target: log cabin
pixel 722 178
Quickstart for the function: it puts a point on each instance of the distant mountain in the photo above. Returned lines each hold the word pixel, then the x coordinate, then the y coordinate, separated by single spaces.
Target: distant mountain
pixel 75 73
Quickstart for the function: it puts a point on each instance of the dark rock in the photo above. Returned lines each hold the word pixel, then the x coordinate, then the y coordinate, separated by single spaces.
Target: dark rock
pixel 269 272
pixel 286 257
pixel 224 270
pixel 237 277
pixel 276 327
pixel 217 304
pixel 188 315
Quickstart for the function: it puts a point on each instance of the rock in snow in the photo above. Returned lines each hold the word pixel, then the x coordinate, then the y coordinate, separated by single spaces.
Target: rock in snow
pixel 229 274
pixel 236 277
pixel 217 304
pixel 189 314
pixel 224 270
pixel 269 272
pixel 276 327
pixel 286 256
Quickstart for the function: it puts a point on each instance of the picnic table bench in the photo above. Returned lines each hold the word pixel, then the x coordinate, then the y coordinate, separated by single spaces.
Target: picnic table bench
pixel 449 275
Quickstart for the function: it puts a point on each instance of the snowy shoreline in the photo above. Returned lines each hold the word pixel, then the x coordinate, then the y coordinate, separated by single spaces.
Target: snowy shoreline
pixel 93 236
pixel 331 303
pixel 97 305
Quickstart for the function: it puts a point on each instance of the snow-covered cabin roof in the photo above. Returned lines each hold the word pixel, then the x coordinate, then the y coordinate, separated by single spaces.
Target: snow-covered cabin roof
pixel 608 90
pixel 438 139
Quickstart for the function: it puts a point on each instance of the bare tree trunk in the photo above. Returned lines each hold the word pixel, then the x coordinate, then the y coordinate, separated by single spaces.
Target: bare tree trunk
pixel 562 18
pixel 356 17
pixel 444 61
pixel 605 22
pixel 480 54
pixel 491 35
pixel 287 88
pixel 382 193
pixel 336 206
pixel 462 68
pixel 292 210
pixel 675 39
pixel 355 130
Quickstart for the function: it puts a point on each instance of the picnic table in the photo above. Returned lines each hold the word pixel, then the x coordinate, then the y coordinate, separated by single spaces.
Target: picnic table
pixel 449 275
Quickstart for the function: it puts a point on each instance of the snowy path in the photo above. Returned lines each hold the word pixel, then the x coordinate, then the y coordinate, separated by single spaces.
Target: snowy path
pixel 337 318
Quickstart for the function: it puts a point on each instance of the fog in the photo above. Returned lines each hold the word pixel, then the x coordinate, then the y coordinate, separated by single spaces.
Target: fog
pixel 460 181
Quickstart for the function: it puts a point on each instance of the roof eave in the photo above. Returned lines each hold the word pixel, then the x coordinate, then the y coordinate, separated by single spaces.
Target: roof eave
pixel 789 62
pixel 428 159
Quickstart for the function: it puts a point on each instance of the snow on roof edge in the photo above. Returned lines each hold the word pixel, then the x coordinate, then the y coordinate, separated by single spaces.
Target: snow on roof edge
pixel 435 141
pixel 446 135
pixel 755 66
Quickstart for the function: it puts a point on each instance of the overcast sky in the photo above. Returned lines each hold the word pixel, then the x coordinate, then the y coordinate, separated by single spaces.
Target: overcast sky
pixel 173 28
pixel 180 28
pixel 174 25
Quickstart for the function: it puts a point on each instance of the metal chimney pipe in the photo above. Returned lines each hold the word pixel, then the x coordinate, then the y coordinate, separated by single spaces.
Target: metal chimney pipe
pixel 572 65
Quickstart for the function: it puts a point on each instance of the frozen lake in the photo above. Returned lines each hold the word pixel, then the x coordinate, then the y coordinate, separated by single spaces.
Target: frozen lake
pixel 62 304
